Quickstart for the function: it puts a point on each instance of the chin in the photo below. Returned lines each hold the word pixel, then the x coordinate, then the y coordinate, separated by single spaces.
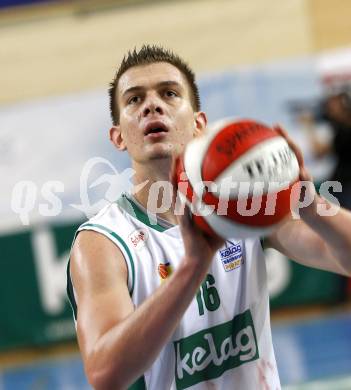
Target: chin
pixel 162 152
pixel 161 156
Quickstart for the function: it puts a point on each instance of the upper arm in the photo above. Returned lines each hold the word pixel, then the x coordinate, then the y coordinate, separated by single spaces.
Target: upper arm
pixel 99 275
pixel 299 242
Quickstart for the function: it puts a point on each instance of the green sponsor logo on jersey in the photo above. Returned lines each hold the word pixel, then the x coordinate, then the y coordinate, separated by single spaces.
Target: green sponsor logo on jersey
pixel 209 353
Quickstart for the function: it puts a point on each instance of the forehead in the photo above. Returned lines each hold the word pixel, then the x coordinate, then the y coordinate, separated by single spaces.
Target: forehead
pixel 150 75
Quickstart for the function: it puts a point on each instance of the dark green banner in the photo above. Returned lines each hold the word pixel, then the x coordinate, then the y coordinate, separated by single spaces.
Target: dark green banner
pixel 34 308
pixel 292 284
pixel 309 286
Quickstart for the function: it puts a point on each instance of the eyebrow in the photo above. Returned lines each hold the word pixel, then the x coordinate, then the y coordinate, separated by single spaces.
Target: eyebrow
pixel 166 83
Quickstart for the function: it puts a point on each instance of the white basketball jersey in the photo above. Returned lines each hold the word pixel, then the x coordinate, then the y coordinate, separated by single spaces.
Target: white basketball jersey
pixel 224 338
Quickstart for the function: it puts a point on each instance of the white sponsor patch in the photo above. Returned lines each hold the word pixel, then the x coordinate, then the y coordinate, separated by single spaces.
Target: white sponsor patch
pixel 232 255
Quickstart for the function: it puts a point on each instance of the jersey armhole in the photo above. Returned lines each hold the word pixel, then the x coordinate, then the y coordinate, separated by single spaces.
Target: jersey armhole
pixel 120 243
pixel 70 292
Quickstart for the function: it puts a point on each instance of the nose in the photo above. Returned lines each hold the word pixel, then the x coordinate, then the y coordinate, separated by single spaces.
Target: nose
pixel 152 105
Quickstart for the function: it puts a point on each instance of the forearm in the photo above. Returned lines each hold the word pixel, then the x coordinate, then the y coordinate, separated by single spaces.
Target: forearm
pixel 128 349
pixel 317 241
pixel 334 230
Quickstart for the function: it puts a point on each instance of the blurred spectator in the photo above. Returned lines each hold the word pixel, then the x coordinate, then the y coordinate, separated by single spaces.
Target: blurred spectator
pixel 336 110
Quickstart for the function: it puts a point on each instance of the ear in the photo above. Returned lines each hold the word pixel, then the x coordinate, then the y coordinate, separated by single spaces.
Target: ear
pixel 200 119
pixel 116 138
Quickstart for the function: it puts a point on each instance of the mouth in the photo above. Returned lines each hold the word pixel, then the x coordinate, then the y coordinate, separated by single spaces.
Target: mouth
pixel 155 128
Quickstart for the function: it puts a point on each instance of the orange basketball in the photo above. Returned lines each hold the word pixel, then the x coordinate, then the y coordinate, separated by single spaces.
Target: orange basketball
pixel 238 178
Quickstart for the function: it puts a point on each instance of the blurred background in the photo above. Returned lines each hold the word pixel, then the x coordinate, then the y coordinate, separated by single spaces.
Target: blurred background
pixel 286 62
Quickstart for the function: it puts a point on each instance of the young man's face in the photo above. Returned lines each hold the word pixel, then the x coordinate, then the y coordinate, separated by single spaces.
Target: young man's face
pixel 156 116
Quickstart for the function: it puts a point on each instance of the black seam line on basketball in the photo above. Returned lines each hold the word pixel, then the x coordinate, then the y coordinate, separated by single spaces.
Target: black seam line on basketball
pixel 97 227
pixel 263 242
pixel 141 216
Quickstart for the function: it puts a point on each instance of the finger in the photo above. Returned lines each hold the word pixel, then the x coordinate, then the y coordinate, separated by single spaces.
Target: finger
pixel 305 175
pixel 185 219
pixel 280 130
pixel 215 241
pixel 291 144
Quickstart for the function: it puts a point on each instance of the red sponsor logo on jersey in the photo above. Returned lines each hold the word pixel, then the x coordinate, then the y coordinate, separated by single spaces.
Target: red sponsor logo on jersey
pixel 138 238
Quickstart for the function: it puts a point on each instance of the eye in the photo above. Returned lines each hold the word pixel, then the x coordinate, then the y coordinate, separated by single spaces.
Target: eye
pixel 170 93
pixel 133 100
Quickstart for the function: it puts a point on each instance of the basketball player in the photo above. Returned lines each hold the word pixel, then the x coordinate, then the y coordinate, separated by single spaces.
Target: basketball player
pixel 158 304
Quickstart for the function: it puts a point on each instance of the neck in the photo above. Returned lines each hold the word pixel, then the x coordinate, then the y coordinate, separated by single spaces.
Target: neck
pixel 152 188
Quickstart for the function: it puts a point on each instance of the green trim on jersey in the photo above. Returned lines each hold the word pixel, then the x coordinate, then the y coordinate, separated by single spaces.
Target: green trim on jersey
pixel 124 245
pixel 70 293
pixel 139 384
pixel 134 210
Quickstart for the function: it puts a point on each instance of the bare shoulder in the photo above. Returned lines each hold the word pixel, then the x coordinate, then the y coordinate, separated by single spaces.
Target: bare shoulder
pixel 99 275
pixel 95 256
